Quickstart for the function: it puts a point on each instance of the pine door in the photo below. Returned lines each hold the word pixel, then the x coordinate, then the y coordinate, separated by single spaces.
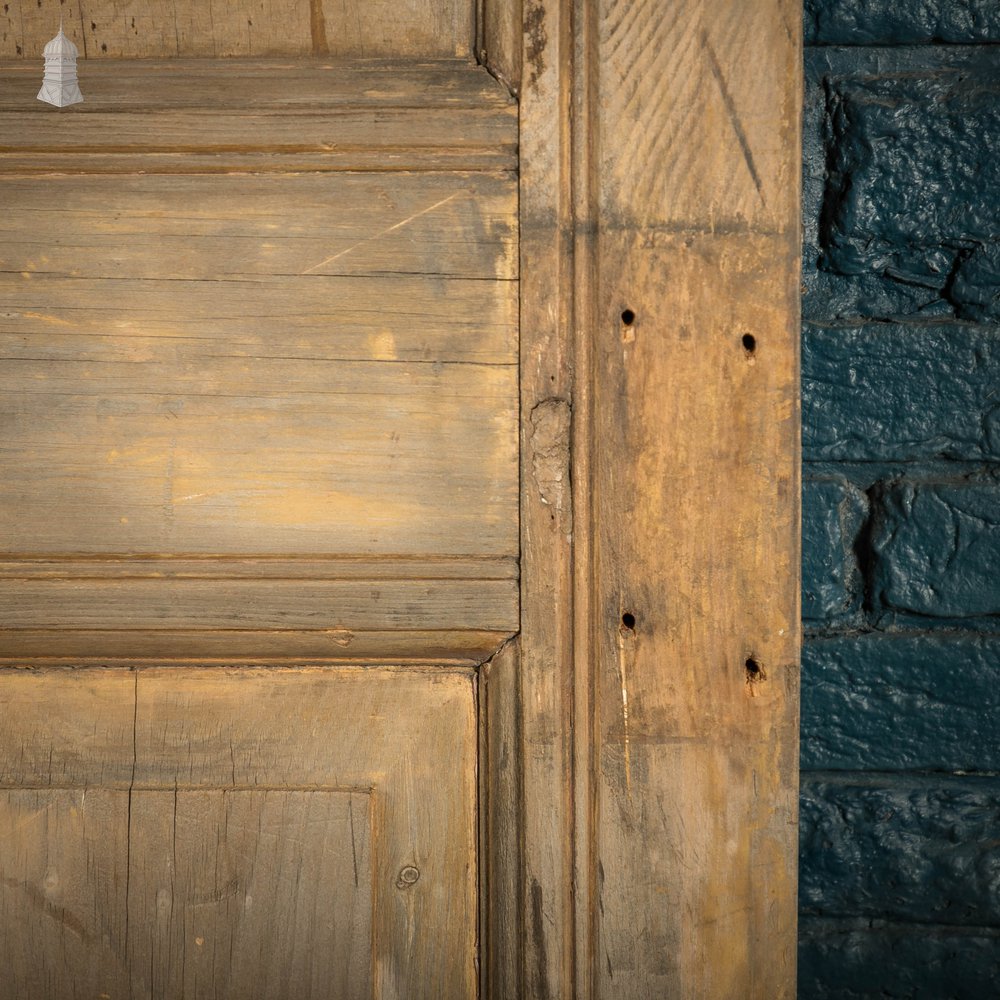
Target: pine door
pixel 399 500
pixel 259 511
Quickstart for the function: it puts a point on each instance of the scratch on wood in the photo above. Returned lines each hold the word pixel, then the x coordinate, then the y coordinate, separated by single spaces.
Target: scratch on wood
pixel 83 31
pixel 734 117
pixel 623 671
pixel 384 232
pixel 58 913
pixel 45 318
pixel 354 846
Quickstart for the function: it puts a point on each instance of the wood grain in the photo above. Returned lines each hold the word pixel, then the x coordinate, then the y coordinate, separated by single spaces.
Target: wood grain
pixel 122 467
pixel 659 197
pixel 501 40
pixel 128 29
pixel 250 894
pixel 217 905
pixel 217 115
pixel 177 812
pixel 694 486
pixel 63 873
pixel 699 755
pixel 157 226
pixel 500 815
pixel 548 877
pixel 260 366
pixel 143 603
pixel 272 84
pixel 272 610
pixel 223 647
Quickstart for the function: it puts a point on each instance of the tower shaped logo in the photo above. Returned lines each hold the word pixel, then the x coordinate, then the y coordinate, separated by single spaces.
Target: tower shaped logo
pixel 60 86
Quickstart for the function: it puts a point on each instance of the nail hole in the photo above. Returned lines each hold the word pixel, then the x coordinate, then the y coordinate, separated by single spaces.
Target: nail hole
pixel 749 343
pixel 628 621
pixel 755 671
pixel 628 317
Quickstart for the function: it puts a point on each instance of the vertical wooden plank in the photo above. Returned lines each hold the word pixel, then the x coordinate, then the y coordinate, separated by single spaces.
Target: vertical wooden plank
pixel 659 220
pixel 550 879
pixel 501 924
pixel 694 496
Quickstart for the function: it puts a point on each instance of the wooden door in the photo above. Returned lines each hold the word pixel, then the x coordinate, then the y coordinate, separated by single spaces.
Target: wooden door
pixel 259 509
pixel 398 560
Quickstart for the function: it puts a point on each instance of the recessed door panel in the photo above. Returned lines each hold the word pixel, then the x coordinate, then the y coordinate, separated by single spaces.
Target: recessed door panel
pixel 259 362
pixel 239 834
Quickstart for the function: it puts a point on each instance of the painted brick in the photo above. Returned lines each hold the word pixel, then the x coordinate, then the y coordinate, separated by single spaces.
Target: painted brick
pixel 833 512
pixel 937 548
pixel 900 392
pixel 913 183
pixel 902 184
pixel 901 702
pixel 839 960
pixel 900 849
pixel 901 22
pixel 901 874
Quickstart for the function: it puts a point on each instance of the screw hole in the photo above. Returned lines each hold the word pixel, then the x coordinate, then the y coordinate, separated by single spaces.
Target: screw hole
pixel 628 317
pixel 628 621
pixel 749 343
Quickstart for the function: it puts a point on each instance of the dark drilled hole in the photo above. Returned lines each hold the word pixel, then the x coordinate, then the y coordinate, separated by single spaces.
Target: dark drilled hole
pixel 628 621
pixel 749 343
pixel 754 670
pixel 628 317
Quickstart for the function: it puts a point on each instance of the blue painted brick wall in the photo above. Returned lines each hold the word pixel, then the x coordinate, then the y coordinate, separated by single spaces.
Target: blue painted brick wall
pixel 900 831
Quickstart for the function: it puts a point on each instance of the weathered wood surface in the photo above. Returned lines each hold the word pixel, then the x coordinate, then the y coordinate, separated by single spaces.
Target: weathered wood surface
pixel 198 603
pixel 170 386
pixel 694 482
pixel 500 809
pixel 238 833
pixel 272 84
pixel 226 891
pixel 537 959
pixel 129 29
pixel 660 200
pixel 154 226
pixel 273 610
pixel 501 39
pixel 221 646
pixel 280 365
pixel 264 116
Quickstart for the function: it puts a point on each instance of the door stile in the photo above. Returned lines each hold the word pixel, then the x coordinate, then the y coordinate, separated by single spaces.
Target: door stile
pixel 538 864
pixel 657 674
